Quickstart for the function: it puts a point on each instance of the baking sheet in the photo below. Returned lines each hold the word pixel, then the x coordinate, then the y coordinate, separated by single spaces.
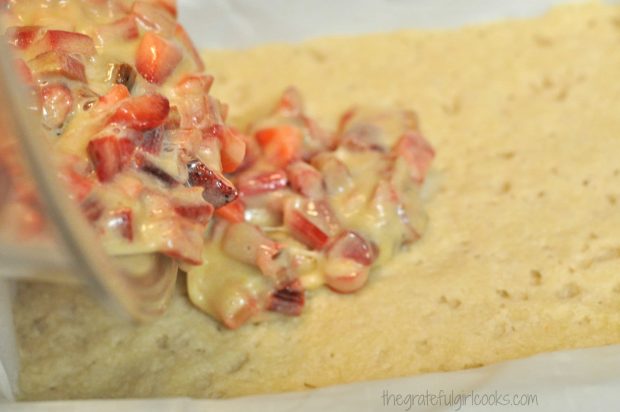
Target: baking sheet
pixel 561 381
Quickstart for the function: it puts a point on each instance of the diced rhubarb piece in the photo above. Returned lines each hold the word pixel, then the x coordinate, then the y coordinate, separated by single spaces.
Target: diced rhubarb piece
pixel 233 150
pixel 194 83
pixel 217 189
pixel 251 183
pixel 23 72
pixel 187 42
pixel 58 63
pixel 156 58
pixel 154 16
pixel 109 155
pixel 345 275
pixel 335 173
pixel 115 94
pixel 122 29
pixel 64 41
pixel 233 212
pixel 288 300
pixel 417 152
pixel 306 180
pixel 142 112
pixel 304 228
pixel 199 213
pixel 122 221
pixel 280 144
pixel 22 37
pixel 352 245
pixel 56 103
pixel 123 74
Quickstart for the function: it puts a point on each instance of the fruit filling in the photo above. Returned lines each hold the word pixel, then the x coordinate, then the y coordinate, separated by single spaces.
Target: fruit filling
pixel 256 220
pixel 314 208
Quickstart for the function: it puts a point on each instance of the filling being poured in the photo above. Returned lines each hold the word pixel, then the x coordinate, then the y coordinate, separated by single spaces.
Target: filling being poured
pixel 254 219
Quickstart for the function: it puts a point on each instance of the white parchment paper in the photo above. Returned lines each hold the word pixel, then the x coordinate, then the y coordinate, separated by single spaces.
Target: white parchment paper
pixel 576 380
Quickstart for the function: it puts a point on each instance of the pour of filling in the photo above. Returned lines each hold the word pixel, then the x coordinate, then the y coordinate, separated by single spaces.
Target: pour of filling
pixel 124 102
pixel 144 149
pixel 315 208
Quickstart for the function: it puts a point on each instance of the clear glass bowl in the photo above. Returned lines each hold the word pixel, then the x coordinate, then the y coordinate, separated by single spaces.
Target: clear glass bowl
pixel 68 250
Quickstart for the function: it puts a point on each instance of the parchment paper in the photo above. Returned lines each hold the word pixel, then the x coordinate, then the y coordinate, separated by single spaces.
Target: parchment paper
pixel 587 379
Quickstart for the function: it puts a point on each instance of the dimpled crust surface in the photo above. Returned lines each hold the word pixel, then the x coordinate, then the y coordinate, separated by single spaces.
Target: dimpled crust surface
pixel 522 254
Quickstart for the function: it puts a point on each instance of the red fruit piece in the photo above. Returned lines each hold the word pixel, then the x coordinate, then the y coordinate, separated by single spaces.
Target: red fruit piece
pixel 92 209
pixel 417 152
pixel 187 42
pixel 217 189
pixel 156 58
pixel 303 227
pixel 122 220
pixel 122 29
pixel 116 93
pixel 345 275
pixel 142 112
pixel 288 300
pixel 280 144
pixel 351 245
pixel 22 37
pixel 252 184
pixel 233 150
pixel 155 16
pixel 56 103
pixel 290 103
pixel 109 155
pixel 233 212
pixel 306 180
pixel 198 213
pixel 58 63
pixel 64 41
pixel 194 83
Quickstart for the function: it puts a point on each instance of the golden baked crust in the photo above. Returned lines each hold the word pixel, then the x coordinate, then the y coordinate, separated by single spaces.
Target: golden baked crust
pixel 522 254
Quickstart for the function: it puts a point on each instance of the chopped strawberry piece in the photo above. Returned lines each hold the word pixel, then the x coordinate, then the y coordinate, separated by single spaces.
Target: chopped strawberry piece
pixel 65 41
pixel 352 245
pixel 306 180
pixel 109 155
pixel 233 212
pixel 280 144
pixel 217 189
pixel 116 93
pixel 154 16
pixel 198 213
pixel 151 141
pixel 22 37
pixel 142 112
pixel 156 58
pixel 23 72
pixel 252 184
pixel 187 42
pixel 288 300
pixel 56 103
pixel 304 230
pixel 58 63
pixel 122 29
pixel 122 220
pixel 417 152
pixel 233 150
